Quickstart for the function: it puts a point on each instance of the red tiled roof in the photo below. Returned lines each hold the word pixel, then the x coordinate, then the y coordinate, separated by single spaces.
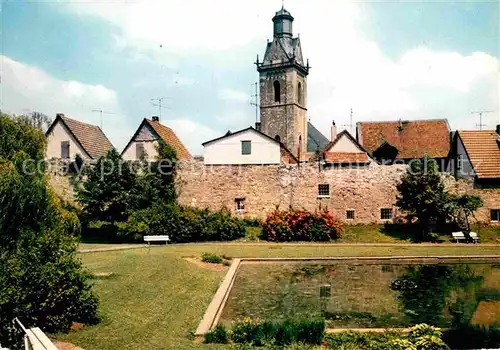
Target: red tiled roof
pixel 413 139
pixel 90 137
pixel 171 139
pixel 345 157
pixel 483 149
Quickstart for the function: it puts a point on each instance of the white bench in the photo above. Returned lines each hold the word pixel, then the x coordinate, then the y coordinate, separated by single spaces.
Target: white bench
pixel 474 237
pixel 458 236
pixel 150 239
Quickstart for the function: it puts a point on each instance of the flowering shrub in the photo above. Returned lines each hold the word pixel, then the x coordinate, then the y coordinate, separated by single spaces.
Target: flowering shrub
pixel 301 225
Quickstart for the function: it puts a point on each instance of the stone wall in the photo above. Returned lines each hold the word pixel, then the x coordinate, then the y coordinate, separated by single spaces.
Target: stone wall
pixel 264 187
pixel 365 190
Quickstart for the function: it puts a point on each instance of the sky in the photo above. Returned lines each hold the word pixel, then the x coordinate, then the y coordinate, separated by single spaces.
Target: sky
pixel 385 60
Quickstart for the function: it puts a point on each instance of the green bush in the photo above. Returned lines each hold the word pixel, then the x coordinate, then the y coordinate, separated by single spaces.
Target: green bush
pixel 301 225
pixel 284 333
pixel 42 281
pixel 211 258
pixel 184 224
pixel 420 337
pixel 218 335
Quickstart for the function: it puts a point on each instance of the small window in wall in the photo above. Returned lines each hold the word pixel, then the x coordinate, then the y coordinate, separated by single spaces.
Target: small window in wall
pixel 65 149
pixel 299 94
pixel 246 147
pixel 495 215
pixel 323 190
pixel 240 204
pixel 277 91
pixel 349 214
pixel 139 150
pixel 386 213
pixel 460 162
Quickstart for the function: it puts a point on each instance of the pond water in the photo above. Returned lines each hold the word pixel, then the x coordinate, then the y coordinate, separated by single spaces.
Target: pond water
pixel 367 295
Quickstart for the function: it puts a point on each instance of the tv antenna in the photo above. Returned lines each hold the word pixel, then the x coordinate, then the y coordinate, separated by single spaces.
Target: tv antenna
pixel 100 113
pixel 158 102
pixel 481 118
pixel 255 102
pixel 350 125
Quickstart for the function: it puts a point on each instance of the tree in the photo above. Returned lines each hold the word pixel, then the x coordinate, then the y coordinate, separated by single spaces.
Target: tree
pixel 461 208
pixel 155 181
pixel 41 280
pixel 37 120
pixel 422 193
pixel 105 193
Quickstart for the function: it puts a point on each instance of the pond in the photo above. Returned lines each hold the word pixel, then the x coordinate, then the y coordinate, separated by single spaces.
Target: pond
pixel 367 295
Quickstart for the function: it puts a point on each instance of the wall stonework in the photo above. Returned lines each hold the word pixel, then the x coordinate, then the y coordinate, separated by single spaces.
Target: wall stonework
pixel 364 190
pixel 288 117
pixel 264 187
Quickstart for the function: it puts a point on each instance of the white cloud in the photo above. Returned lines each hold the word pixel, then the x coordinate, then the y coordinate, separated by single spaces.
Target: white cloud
pixel 231 95
pixel 349 71
pixel 26 88
pixel 191 133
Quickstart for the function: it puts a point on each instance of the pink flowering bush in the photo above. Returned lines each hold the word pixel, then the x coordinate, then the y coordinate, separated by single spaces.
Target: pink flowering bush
pixel 301 225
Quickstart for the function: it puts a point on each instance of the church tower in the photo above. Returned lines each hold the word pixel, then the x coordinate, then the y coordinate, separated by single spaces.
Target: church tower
pixel 283 87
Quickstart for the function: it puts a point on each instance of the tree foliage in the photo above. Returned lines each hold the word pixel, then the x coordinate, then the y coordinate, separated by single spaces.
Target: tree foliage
pixel 422 193
pixel 41 281
pixel 36 120
pixel 104 194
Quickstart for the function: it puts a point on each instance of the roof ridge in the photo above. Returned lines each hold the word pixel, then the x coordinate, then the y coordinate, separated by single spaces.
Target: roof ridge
pixel 402 120
pixel 80 122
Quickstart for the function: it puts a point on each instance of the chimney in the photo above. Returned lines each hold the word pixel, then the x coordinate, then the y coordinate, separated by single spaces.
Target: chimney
pixel 155 118
pixel 333 131
pixel 59 115
pixel 498 129
pixel 258 126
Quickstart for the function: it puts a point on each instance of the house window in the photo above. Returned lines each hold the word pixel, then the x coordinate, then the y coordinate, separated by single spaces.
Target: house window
pixel 246 147
pixel 349 214
pixel 323 190
pixel 277 91
pixel 299 94
pixel 65 149
pixel 386 213
pixel 495 215
pixel 240 204
pixel 139 150
pixel 460 162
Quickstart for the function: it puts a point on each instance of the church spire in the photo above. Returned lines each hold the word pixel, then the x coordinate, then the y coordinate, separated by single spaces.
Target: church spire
pixel 283 21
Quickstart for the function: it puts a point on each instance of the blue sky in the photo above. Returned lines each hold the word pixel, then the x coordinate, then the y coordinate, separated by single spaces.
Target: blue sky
pixel 386 60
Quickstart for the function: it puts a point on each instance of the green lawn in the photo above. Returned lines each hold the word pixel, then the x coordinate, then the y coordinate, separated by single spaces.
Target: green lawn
pixel 381 234
pixel 155 299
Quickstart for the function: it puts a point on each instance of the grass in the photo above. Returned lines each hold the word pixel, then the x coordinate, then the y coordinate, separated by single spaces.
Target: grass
pixel 391 234
pixel 155 299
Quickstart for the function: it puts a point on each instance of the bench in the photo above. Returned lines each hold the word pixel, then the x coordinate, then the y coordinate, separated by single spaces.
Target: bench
pixel 474 237
pixel 150 239
pixel 460 236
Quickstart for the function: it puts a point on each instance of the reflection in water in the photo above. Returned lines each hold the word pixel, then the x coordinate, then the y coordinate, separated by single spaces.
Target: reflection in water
pixel 367 295
pixel 441 295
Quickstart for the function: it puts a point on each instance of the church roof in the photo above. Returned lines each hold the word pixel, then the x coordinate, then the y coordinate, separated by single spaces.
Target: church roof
pixel 315 139
pixel 283 13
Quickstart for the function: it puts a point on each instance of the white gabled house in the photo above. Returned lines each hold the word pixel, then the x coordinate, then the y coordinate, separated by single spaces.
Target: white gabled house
pixel 247 146
pixel 67 137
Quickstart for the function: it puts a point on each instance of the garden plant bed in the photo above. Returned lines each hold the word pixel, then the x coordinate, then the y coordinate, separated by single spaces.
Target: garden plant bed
pixel 364 292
